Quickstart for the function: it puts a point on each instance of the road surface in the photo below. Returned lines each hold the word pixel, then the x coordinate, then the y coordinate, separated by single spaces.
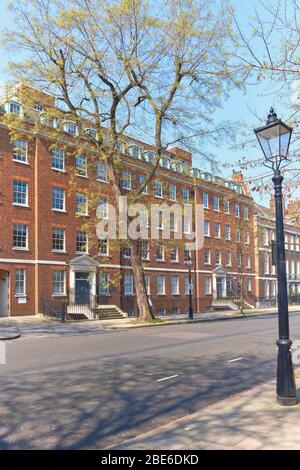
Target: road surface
pixel 94 389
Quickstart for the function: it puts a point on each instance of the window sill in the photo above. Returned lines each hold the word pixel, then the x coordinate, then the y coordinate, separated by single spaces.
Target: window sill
pixel 79 215
pixel 160 260
pixel 63 211
pixel 58 170
pixel 174 261
pixel 18 248
pixel 101 181
pixel 60 251
pixel 82 252
pixel 16 204
pixel 20 296
pixel 59 295
pixel 82 176
pixel 19 161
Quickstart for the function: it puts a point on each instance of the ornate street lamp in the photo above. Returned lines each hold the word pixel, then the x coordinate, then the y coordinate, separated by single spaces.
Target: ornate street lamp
pixel 189 262
pixel 274 139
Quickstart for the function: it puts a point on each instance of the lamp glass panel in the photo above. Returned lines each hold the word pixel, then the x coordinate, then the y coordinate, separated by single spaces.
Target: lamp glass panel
pixel 274 141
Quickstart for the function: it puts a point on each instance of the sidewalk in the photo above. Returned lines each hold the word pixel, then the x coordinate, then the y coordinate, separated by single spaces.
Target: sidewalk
pixel 41 326
pixel 249 421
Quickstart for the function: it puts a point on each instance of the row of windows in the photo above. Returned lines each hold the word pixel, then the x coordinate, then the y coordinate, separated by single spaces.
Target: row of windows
pixel 59 284
pixel 227 232
pixel 292 242
pixel 216 205
pixel 133 150
pixel 227 258
pixel 20 154
pixel 20 241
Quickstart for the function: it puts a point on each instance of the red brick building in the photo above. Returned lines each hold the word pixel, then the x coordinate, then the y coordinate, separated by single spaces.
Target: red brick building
pixel 266 281
pixel 47 255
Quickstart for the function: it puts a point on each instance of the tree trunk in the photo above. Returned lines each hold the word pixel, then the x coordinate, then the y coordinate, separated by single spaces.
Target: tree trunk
pixel 145 312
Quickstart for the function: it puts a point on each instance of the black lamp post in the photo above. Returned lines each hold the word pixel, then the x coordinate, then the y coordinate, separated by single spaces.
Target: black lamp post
pixel 191 313
pixel 274 139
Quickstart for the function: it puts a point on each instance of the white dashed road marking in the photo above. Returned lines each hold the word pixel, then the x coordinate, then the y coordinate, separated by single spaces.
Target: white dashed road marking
pixel 237 359
pixel 167 378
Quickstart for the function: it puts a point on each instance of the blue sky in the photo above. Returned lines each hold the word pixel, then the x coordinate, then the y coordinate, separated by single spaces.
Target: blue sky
pixel 239 106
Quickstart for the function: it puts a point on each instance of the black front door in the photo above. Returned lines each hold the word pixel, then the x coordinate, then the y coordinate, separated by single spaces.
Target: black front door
pixel 82 288
pixel 219 289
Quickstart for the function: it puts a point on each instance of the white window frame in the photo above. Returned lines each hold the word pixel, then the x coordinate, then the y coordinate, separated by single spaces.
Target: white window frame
pixel 57 154
pixel 22 292
pixel 161 285
pixel 158 189
pixel 85 206
pixel 20 248
pixel 126 180
pixel 99 177
pixel 22 204
pixel 63 249
pixel 81 170
pixel 23 152
pixel 79 233
pixel 128 284
pixel 104 291
pixel 176 290
pixel 60 282
pixel 64 199
pixel 67 125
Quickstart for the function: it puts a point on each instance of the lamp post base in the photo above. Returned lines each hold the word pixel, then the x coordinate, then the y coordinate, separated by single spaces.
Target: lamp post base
pixel 283 401
pixel 286 387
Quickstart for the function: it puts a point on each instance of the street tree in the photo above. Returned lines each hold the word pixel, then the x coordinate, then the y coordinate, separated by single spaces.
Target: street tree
pixel 148 69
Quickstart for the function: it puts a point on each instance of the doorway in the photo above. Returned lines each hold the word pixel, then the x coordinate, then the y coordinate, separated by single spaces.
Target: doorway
pixel 219 288
pixel 82 288
pixel 4 293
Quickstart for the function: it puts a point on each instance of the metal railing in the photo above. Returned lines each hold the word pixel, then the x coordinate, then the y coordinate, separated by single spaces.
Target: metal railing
pixel 55 309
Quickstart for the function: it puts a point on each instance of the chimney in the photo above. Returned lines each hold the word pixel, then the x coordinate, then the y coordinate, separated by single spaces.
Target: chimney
pixel 183 154
pixel 238 177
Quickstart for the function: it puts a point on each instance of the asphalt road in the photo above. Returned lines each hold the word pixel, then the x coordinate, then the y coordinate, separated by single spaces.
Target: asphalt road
pixel 94 390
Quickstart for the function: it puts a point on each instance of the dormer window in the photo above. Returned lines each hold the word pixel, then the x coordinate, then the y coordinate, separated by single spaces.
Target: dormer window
pixel 207 176
pixel 38 108
pixel 13 107
pixel 149 156
pixel 71 127
pixel 134 151
pixel 179 167
pixel 54 123
pixel 195 172
pixel 43 118
pixel 120 146
pixel 91 132
pixel 165 163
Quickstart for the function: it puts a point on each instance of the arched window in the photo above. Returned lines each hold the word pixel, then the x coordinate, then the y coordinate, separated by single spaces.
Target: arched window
pixel 71 127
pixel 134 151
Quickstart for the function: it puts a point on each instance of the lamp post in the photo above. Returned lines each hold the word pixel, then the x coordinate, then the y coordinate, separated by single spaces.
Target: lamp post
pixel 274 139
pixel 189 263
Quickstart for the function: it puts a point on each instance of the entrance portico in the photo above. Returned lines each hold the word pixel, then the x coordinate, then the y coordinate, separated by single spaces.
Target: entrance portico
pixel 219 283
pixel 83 279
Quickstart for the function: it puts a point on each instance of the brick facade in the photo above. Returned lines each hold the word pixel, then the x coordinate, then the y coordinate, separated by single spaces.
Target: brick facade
pixel 40 263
